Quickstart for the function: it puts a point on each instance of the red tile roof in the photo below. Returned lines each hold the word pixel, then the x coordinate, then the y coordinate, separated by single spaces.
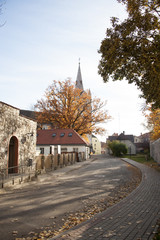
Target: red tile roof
pixel 55 137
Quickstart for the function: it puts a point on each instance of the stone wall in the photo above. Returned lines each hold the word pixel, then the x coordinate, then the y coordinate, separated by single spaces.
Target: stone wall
pixel 23 129
pixel 155 150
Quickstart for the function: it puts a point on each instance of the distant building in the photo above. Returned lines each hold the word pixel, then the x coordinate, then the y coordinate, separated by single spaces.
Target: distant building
pixel 96 145
pixel 104 148
pixel 142 142
pixel 79 83
pixel 128 140
pixel 134 144
pixel 55 141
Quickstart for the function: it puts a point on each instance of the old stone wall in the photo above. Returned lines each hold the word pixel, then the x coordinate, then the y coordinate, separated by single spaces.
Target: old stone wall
pixel 155 150
pixel 23 129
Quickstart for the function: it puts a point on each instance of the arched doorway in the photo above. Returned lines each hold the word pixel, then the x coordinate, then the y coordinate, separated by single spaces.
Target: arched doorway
pixel 13 155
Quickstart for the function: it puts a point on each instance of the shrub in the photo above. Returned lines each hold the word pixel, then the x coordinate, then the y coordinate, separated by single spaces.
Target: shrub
pixel 117 148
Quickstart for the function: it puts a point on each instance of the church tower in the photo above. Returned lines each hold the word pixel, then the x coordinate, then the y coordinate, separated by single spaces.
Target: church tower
pixel 79 83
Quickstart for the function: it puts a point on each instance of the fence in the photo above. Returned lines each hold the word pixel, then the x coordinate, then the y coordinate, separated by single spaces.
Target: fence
pixel 52 162
pixel 18 174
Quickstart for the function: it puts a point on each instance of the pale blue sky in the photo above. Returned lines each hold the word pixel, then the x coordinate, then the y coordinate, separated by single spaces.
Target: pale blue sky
pixel 42 40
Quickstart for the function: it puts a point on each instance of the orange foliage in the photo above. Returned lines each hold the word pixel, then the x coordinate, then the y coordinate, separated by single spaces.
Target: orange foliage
pixel 153 119
pixel 66 106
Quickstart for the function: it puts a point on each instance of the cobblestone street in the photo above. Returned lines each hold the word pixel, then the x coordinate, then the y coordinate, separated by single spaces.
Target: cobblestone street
pixel 44 203
pixel 133 218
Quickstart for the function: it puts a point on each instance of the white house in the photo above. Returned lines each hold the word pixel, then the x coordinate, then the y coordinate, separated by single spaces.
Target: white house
pixel 53 141
pixel 128 140
pixel 96 145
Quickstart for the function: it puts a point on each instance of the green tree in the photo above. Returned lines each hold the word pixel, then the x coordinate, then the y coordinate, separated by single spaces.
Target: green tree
pixel 117 148
pixel 131 49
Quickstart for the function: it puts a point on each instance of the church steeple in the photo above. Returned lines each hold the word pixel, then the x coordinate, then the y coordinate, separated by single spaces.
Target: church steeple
pixel 79 83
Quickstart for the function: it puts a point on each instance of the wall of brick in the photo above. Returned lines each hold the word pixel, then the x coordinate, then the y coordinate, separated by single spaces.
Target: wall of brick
pixel 13 124
pixel 155 150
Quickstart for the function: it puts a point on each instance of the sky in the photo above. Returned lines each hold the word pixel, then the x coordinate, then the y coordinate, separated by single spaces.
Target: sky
pixel 42 41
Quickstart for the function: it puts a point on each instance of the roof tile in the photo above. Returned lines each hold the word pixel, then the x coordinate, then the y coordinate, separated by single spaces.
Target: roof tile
pixel 54 137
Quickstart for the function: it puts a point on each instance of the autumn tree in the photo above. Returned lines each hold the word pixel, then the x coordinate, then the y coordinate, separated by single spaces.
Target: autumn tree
pixel 131 49
pixel 153 121
pixel 65 106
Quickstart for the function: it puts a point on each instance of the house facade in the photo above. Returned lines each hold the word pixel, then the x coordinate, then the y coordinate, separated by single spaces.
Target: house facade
pixel 96 145
pixel 135 144
pixel 142 142
pixel 104 148
pixel 17 139
pixel 128 140
pixel 57 141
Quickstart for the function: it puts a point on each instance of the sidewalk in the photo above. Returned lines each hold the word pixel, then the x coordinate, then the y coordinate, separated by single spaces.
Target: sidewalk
pixel 134 218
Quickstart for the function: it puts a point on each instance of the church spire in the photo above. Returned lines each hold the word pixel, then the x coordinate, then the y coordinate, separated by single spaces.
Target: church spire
pixel 79 83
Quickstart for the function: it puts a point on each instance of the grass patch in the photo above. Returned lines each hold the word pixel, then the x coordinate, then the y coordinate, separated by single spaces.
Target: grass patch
pixel 144 159
pixel 141 158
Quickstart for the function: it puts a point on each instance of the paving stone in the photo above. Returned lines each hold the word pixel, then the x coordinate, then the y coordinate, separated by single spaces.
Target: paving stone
pixel 134 218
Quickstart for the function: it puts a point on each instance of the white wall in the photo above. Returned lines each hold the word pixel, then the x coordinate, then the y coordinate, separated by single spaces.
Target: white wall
pixel 155 150
pixel 129 145
pixel 69 149
pixel 96 145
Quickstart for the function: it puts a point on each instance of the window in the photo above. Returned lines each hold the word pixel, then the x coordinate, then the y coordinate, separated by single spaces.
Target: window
pixel 45 127
pixel 55 150
pixel 70 134
pixel 54 134
pixel 63 150
pixel 62 134
pixel 41 150
pixel 50 150
pixel 75 149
